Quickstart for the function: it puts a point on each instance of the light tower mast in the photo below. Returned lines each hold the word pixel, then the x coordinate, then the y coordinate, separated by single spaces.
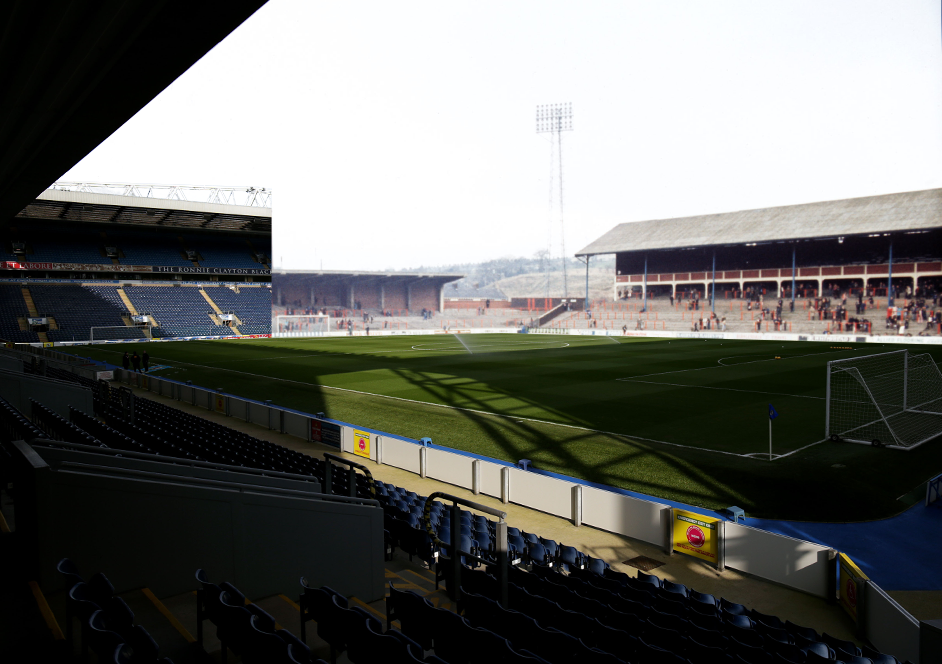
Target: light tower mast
pixel 555 119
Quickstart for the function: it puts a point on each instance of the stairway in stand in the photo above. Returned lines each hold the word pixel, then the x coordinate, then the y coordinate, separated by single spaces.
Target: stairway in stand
pixel 33 312
pixel 219 312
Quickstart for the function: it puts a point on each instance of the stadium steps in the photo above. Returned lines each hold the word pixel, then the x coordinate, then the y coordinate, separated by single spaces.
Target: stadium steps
pixel 127 302
pixel 53 324
pixel 219 311
pixel 33 312
pixel 24 326
pixel 30 305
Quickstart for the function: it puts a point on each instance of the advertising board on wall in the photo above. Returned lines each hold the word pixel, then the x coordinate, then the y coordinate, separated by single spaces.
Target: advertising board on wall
pixel 850 576
pixel 361 443
pixel 325 432
pixel 696 535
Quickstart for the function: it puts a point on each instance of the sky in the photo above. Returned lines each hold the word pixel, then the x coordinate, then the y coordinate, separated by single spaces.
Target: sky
pixel 403 134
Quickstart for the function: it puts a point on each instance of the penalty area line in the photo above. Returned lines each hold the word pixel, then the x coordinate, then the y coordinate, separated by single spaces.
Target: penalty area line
pixel 710 387
pixel 726 366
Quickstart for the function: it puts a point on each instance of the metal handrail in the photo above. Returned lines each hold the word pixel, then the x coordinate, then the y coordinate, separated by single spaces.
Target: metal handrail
pixel 454 589
pixel 354 466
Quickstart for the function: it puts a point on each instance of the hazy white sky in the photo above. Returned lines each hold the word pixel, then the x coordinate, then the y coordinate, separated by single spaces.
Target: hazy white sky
pixel 400 134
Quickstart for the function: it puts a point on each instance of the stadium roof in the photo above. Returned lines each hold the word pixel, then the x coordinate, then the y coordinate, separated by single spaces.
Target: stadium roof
pixel 890 213
pixel 73 206
pixel 74 72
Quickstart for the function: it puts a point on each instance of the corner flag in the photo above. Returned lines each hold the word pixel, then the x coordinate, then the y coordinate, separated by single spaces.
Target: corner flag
pixel 772 416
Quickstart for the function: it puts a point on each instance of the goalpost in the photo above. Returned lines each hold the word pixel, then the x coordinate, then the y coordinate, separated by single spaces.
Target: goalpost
pixel 109 332
pixel 310 325
pixel 892 399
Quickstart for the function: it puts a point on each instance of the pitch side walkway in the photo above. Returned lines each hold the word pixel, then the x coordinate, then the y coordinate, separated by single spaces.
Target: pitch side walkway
pixel 900 554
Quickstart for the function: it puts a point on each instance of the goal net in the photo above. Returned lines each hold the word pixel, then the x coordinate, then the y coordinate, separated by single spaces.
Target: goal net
pixel 312 325
pixel 892 399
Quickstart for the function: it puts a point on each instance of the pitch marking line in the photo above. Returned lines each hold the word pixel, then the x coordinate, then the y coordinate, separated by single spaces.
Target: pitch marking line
pixel 499 345
pixel 729 389
pixel 515 418
pixel 723 366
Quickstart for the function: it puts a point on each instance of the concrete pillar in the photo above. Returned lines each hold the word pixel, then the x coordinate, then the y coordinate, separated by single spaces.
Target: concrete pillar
pixel 721 546
pixel 351 296
pixel 423 462
pixel 476 477
pixel 382 296
pixel 441 298
pixel 667 523
pixel 378 446
pixel 505 484
pixel 409 296
pixel 577 505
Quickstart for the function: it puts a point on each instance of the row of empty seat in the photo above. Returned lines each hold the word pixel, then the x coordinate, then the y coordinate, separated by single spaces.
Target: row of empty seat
pixel 106 621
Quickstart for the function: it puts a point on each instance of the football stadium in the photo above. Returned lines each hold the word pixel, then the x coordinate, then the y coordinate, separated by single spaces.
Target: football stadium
pixel 207 458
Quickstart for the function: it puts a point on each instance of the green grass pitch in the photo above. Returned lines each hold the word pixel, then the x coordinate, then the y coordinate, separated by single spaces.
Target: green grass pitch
pixel 679 419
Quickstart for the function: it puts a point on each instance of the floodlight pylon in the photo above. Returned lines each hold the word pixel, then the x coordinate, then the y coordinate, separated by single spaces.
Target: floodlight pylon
pixel 555 119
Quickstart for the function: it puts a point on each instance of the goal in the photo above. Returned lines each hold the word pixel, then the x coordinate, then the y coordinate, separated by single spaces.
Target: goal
pixel 892 399
pixel 118 332
pixel 312 325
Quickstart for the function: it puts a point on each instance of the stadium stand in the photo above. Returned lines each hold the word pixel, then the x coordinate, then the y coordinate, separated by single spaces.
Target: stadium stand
pixel 149 248
pixel 59 243
pixel 76 309
pixel 224 252
pixel 12 311
pixel 180 311
pixel 252 306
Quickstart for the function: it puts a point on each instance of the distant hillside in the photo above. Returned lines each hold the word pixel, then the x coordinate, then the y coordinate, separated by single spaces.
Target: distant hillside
pixel 534 284
pixel 490 272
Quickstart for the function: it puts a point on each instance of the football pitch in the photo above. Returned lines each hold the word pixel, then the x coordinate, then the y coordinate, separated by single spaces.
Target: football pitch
pixel 684 419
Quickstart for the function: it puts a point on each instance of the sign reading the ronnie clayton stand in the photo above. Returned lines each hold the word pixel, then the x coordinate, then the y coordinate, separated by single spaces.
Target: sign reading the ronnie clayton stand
pixel 210 270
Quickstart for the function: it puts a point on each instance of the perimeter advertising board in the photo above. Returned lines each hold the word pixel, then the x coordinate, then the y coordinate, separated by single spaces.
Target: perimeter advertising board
pixel 850 577
pixel 361 443
pixel 325 432
pixel 696 535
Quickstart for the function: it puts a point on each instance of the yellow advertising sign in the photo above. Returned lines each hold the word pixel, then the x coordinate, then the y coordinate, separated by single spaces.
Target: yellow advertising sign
pixel 220 404
pixel 361 443
pixel 696 535
pixel 849 573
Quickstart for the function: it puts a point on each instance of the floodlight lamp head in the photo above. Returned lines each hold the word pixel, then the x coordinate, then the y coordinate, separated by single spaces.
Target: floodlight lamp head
pixel 554 118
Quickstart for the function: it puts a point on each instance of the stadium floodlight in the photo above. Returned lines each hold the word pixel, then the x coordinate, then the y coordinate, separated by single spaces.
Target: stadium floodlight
pixel 555 119
pixel 892 399
pixel 304 325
